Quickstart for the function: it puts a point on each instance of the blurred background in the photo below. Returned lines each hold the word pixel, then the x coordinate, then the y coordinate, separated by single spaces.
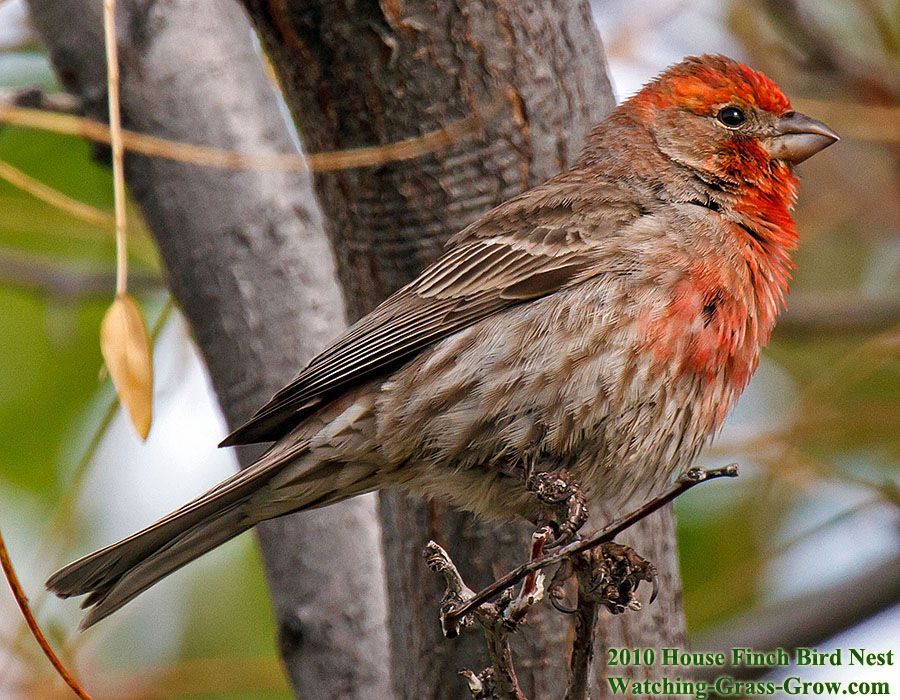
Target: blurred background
pixel 803 549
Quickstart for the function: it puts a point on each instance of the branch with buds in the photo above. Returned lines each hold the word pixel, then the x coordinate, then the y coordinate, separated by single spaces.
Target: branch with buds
pixel 607 574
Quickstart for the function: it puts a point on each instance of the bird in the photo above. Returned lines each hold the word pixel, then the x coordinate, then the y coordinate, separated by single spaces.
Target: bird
pixel 591 334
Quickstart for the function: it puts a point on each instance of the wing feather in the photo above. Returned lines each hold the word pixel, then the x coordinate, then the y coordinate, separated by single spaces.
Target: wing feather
pixel 499 261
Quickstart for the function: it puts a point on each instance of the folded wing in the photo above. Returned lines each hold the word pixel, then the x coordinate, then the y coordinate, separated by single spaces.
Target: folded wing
pixel 523 250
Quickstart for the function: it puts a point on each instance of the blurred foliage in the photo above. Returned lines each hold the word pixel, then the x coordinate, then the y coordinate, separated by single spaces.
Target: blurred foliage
pixel 37 379
pixel 834 417
pixel 50 341
pixel 51 388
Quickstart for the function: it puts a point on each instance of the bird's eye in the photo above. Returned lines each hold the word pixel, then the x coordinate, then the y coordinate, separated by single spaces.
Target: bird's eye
pixel 731 116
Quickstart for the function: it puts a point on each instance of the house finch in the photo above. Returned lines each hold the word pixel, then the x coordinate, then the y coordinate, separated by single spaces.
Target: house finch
pixel 602 323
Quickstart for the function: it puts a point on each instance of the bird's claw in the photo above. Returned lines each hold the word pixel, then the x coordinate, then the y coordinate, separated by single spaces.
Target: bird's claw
pixel 609 574
pixel 552 488
pixel 618 571
pixel 559 490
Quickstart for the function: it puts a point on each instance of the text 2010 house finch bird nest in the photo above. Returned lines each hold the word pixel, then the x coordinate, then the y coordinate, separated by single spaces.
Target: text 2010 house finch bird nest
pixel 578 343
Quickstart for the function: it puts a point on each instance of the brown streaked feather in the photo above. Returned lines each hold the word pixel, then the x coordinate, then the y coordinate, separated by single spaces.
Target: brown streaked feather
pixel 503 259
pixel 90 572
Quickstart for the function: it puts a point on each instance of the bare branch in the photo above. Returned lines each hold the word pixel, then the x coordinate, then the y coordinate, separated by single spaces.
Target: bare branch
pixel 22 600
pixel 608 575
pixel 209 156
pixel 689 479
pixel 809 619
pixel 585 622
pixel 36 273
pixel 499 681
pixel 838 312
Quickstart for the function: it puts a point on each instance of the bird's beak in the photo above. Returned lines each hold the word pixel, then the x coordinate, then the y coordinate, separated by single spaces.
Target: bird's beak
pixel 798 137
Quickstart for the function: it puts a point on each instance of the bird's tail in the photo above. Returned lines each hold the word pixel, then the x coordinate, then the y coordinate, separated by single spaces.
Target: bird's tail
pixel 114 575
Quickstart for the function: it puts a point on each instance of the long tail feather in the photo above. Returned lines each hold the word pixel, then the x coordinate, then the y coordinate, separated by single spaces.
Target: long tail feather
pixel 115 574
pixel 113 593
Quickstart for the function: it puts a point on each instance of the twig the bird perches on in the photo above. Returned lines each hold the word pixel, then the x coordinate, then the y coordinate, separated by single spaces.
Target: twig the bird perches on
pixel 608 574
pixel 689 479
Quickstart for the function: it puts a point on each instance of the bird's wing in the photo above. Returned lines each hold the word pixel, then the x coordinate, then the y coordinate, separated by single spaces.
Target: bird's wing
pixel 524 249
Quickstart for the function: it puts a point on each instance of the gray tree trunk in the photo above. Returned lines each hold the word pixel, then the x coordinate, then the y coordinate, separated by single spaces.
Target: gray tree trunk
pixel 361 73
pixel 248 263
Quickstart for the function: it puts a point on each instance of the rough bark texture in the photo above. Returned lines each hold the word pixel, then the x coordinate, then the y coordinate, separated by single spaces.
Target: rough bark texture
pixel 361 72
pixel 248 263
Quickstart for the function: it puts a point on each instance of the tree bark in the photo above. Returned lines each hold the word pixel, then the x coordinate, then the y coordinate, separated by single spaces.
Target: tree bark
pixel 360 73
pixel 248 262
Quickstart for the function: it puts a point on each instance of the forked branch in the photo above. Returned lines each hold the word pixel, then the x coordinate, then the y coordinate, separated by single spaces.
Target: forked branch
pixel 608 575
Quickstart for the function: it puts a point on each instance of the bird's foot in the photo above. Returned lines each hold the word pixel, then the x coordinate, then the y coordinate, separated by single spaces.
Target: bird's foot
pixel 610 574
pixel 559 490
pixel 616 571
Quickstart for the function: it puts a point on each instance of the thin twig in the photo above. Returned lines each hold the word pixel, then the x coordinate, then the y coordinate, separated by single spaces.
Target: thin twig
pixel 62 515
pixel 222 158
pixel 689 479
pixel 501 682
pixel 40 275
pixel 22 601
pixel 55 198
pixel 115 129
